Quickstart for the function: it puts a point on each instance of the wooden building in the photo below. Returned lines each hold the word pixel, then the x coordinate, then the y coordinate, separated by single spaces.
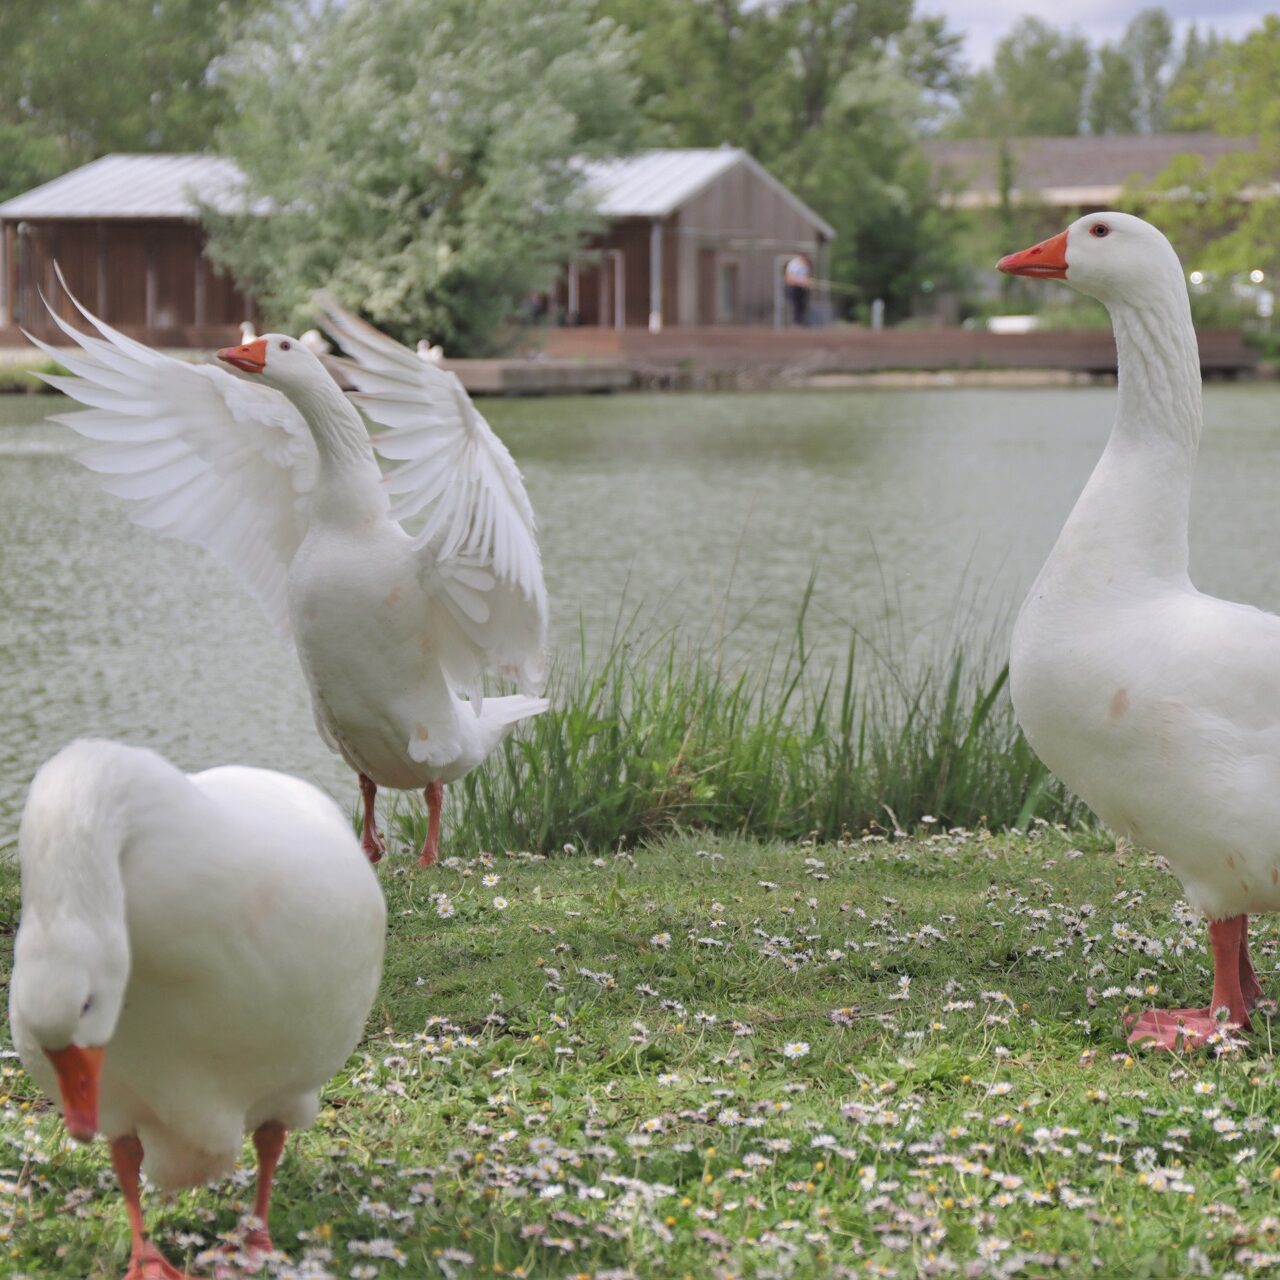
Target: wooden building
pixel 125 231
pixel 695 237
pixel 1072 175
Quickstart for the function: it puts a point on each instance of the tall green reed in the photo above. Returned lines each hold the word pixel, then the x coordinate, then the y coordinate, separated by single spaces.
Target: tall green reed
pixel 660 735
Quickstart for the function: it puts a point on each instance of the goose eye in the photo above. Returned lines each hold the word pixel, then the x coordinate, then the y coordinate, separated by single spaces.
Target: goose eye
pixel 286 345
pixel 88 1004
pixel 1100 229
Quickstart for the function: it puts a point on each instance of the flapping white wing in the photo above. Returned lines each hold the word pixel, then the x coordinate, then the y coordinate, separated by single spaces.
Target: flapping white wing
pixel 459 487
pixel 202 455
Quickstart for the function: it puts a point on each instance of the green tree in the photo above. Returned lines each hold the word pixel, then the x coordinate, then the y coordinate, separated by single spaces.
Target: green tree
pixel 1035 85
pixel 1184 97
pixel 1224 216
pixel 829 95
pixel 1148 45
pixel 1113 94
pixel 84 77
pixel 420 156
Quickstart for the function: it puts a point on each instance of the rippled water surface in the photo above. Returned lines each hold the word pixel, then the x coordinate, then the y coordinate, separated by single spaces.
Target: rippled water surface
pixel 917 509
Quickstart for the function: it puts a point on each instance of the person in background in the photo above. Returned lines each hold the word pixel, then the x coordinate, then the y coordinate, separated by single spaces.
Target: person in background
pixel 798 277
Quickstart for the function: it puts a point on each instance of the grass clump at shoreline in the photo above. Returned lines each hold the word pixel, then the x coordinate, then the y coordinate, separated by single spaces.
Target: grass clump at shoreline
pixel 728 1059
pixel 20 375
pixel 661 737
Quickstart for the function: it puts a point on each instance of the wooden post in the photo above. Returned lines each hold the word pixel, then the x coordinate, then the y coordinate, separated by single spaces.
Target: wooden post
pixel 101 302
pixel 619 291
pixel 201 275
pixel 571 300
pixel 150 314
pixel 655 276
pixel 602 292
pixel 6 254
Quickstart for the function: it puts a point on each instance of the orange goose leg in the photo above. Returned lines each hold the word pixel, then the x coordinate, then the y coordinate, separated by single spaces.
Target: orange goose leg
pixel 370 840
pixel 435 798
pixel 146 1262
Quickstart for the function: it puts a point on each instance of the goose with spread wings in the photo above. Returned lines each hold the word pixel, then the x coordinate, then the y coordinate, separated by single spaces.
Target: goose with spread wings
pixel 399 591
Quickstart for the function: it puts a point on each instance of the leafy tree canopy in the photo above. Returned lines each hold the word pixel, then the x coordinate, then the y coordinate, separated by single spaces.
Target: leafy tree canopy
pixel 1035 85
pixel 1234 90
pixel 84 77
pixel 420 155
pixel 829 95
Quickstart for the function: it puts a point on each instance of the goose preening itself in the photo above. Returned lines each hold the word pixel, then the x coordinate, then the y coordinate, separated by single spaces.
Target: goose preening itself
pixel 1158 705
pixel 274 473
pixel 196 957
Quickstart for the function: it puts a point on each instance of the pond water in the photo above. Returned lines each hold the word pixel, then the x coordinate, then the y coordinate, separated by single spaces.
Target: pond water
pixel 920 511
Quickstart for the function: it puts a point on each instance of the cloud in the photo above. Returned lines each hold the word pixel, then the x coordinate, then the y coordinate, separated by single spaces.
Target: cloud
pixel 983 22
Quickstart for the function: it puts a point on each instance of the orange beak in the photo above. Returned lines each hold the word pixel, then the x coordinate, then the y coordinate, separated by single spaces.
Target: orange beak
pixel 1047 259
pixel 78 1073
pixel 249 356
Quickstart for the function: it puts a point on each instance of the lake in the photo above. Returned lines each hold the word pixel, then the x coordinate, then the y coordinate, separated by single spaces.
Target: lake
pixel 920 511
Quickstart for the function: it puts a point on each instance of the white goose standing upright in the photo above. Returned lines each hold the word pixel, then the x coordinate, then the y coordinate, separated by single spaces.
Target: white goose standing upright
pixel 1158 705
pixel 196 957
pixel 275 475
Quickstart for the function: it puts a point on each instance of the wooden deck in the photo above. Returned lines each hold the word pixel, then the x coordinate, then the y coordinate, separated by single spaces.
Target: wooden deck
pixel 208 337
pixel 538 374
pixel 598 360
pixel 796 354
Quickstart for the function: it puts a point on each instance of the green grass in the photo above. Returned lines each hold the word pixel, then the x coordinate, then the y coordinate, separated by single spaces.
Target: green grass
pixel 659 738
pixel 21 373
pixel 594 1080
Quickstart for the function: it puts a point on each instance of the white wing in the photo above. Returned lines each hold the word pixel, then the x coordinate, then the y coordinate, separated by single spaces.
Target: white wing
pixel 458 478
pixel 204 456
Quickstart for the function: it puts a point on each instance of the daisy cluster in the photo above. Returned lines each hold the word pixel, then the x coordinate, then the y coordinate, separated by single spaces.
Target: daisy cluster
pixel 883 1057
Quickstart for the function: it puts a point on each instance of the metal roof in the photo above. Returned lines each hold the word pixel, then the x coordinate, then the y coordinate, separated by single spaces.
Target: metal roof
pixel 137 186
pixel 654 184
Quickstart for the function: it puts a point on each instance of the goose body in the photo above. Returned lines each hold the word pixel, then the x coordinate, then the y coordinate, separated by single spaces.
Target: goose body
pixel 1157 704
pixel 218 934
pixel 399 592
pixel 357 608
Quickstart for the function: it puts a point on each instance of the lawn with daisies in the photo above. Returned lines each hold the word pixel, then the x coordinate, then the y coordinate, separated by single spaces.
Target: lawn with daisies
pixel 711 1058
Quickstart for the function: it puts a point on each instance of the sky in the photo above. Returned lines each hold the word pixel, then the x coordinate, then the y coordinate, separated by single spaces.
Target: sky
pixel 983 22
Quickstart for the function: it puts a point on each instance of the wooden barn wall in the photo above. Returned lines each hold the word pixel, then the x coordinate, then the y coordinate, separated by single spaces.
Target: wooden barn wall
pixel 631 237
pixel 106 266
pixel 743 219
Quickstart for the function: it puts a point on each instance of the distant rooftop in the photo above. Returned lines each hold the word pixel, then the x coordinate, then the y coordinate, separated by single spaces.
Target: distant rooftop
pixel 654 184
pixel 1083 171
pixel 136 186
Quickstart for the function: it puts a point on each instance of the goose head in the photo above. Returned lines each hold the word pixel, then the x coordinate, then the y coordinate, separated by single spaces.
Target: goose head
pixel 69 978
pixel 1113 257
pixel 281 362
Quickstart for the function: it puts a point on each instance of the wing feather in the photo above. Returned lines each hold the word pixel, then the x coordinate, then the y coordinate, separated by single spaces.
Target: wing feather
pixel 200 454
pixel 461 489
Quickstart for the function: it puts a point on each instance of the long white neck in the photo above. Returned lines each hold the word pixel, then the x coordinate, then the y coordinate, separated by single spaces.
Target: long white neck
pixel 74 831
pixel 349 489
pixel 1131 519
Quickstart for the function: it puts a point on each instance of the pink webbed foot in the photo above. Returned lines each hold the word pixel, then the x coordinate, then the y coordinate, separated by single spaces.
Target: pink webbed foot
pixel 1178 1028
pixel 148 1263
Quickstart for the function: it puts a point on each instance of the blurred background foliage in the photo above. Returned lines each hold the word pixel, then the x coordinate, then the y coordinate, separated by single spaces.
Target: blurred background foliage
pixel 421 152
